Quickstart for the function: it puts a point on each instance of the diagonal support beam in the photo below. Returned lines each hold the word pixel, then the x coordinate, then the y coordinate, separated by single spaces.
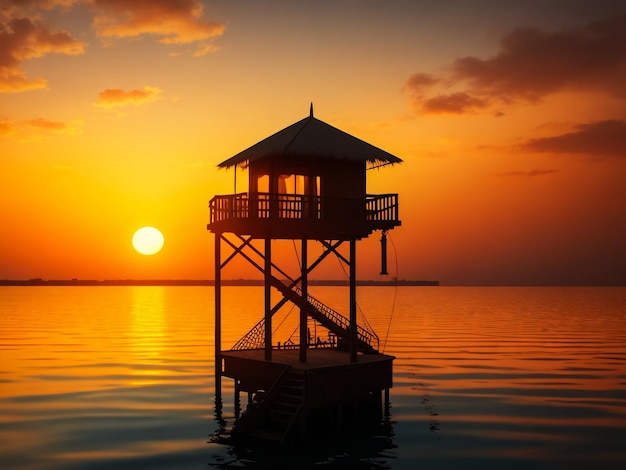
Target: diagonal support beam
pixel 273 265
pixel 333 248
pixel 236 249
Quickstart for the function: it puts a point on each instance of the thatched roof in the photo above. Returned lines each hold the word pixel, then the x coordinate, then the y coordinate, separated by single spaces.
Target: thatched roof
pixel 311 138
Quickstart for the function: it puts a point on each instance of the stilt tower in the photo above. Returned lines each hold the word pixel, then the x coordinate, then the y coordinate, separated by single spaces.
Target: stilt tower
pixel 306 183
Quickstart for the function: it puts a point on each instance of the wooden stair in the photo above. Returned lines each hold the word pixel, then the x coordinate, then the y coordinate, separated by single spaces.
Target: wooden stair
pixel 275 416
pixel 333 321
pixel 326 316
pixel 289 399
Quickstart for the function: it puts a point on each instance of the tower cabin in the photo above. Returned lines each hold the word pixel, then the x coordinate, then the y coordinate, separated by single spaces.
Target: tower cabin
pixel 306 182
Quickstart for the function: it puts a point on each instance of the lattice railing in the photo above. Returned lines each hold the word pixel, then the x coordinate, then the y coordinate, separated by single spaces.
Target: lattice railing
pixel 254 339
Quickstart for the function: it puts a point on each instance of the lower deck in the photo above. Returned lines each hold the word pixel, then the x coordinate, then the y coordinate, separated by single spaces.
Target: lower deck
pixel 371 372
pixel 287 397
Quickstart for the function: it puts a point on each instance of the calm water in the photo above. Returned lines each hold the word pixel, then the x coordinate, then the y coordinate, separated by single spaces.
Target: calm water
pixel 122 377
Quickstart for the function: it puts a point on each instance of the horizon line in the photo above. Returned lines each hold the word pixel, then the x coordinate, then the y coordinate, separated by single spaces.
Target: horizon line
pixel 198 282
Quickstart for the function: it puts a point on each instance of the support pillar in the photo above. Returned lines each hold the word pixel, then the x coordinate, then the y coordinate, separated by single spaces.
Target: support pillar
pixel 237 398
pixel 268 299
pixel 218 316
pixel 387 403
pixel 304 337
pixel 353 323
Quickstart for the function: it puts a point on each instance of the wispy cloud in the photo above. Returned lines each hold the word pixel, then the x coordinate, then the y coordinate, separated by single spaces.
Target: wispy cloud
pixel 173 21
pixel 22 39
pixel 39 127
pixel 21 8
pixel 528 174
pixel 530 65
pixel 7 128
pixel 602 138
pixel 57 127
pixel 117 98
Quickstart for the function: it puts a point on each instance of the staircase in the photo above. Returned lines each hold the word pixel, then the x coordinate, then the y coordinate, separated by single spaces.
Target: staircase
pixel 276 414
pixel 289 398
pixel 367 341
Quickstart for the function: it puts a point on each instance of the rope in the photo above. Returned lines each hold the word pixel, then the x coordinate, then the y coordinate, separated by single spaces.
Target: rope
pixel 369 325
pixel 395 294
pixel 283 320
pixel 295 248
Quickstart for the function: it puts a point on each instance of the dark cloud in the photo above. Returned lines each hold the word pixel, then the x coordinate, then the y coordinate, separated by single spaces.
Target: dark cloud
pixel 420 81
pixel 532 64
pixel 454 103
pixel 602 138
pixel 22 39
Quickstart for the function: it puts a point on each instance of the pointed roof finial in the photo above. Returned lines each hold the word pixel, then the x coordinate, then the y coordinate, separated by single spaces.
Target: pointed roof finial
pixel 311 110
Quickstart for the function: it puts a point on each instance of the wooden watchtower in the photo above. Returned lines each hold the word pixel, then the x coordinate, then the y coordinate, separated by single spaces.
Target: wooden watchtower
pixel 307 182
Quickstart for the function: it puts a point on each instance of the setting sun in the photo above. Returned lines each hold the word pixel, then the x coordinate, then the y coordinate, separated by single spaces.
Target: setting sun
pixel 148 240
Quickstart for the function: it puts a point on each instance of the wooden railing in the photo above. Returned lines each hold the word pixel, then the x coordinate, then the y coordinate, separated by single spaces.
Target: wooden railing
pixel 369 337
pixel 381 207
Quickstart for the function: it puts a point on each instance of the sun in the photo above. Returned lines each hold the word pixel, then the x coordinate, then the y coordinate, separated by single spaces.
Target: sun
pixel 148 240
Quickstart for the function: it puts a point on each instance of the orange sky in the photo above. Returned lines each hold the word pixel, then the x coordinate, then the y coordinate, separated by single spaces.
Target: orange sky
pixel 510 118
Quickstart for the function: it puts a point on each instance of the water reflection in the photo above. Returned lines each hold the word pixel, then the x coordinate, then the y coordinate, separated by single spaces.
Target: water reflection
pixel 367 448
pixel 515 378
pixel 149 323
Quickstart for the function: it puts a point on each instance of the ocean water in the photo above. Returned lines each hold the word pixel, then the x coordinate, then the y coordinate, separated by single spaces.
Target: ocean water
pixel 122 377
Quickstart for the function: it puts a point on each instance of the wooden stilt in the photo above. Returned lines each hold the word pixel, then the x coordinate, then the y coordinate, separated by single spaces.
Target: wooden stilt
pixel 268 299
pixel 218 315
pixel 353 323
pixel 303 317
pixel 237 399
pixel 387 404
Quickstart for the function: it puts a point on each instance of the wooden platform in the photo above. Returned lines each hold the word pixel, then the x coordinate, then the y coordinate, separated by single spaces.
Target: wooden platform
pixel 330 377
pixel 316 358
pixel 297 395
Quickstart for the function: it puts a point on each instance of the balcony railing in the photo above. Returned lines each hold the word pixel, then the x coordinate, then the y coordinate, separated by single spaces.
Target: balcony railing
pixel 380 207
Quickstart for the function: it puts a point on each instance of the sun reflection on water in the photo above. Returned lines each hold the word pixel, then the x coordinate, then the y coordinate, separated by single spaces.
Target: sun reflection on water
pixel 149 322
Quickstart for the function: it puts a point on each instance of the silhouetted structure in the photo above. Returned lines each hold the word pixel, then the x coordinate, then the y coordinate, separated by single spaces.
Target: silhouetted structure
pixel 307 182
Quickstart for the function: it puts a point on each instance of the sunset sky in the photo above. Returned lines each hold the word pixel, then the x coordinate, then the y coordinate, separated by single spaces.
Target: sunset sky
pixel 510 118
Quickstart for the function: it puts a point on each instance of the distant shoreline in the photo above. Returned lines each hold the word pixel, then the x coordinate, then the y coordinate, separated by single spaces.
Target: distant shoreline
pixel 198 282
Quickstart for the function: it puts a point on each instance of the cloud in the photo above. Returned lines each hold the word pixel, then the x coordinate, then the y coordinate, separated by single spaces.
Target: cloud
pixel 50 126
pixel 421 81
pixel 528 174
pixel 34 128
pixel 116 97
pixel 530 65
pixel 601 138
pixel 454 103
pixel 19 8
pixel 22 39
pixel 7 128
pixel 205 49
pixel 174 21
